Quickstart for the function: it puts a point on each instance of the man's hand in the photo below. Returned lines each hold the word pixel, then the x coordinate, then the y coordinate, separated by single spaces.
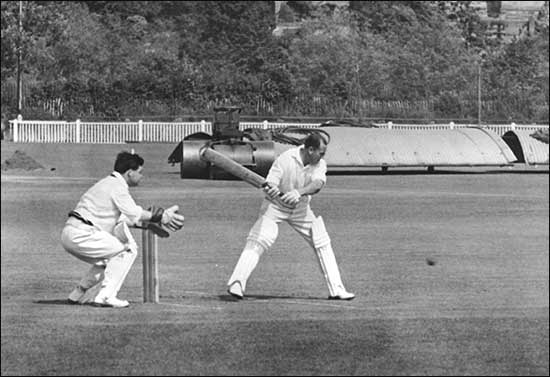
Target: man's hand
pixel 171 219
pixel 291 197
pixel 272 191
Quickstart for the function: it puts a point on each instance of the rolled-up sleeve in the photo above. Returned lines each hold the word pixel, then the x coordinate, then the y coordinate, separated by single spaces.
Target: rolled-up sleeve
pixel 320 173
pixel 275 173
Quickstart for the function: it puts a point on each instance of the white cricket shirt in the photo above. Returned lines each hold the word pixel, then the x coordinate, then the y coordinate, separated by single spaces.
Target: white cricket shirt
pixel 105 201
pixel 288 172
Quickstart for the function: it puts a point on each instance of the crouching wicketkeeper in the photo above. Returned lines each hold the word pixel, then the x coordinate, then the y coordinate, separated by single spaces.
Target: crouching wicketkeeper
pixel 97 231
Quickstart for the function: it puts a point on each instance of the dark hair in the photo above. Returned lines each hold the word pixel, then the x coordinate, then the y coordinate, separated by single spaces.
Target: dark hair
pixel 314 140
pixel 126 161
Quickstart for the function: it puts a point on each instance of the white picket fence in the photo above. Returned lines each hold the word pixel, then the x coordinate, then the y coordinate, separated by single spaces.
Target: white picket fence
pixel 36 131
pixel 499 129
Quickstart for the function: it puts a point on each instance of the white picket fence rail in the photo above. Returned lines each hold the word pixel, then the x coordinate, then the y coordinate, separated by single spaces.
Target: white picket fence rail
pixel 37 131
pixel 499 129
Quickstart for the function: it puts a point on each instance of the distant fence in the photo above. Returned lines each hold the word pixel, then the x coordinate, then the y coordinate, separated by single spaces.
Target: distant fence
pixel 499 129
pixel 33 131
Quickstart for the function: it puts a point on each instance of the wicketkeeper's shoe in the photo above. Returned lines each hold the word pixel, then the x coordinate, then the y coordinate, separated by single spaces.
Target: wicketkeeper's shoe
pixel 236 290
pixel 76 295
pixel 342 295
pixel 110 302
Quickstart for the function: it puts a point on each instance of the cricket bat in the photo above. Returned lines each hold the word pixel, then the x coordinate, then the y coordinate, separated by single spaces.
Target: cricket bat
pixel 223 162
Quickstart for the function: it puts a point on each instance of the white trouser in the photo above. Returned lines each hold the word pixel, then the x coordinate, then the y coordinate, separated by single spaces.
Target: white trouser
pixel 264 233
pixel 111 255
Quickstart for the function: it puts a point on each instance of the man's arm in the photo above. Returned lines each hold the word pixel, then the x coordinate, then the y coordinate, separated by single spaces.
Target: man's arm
pixel 293 197
pixel 313 188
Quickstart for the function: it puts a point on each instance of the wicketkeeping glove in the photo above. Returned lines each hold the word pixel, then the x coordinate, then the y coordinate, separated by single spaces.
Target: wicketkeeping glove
pixel 171 219
pixel 157 213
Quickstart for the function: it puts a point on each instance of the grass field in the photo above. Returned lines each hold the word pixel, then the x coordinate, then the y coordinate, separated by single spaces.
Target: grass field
pixel 481 309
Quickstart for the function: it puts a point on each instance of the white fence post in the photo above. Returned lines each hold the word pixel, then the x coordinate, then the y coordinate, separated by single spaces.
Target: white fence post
pixel 390 124
pixel 15 130
pixel 513 125
pixel 203 126
pixel 78 130
pixel 266 125
pixel 452 125
pixel 140 130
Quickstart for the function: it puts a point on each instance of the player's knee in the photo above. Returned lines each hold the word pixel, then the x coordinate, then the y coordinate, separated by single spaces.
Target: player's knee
pixel 255 247
pixel 131 251
pixel 264 232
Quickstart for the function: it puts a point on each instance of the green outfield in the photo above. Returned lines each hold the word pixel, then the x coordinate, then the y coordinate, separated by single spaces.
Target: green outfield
pixel 480 309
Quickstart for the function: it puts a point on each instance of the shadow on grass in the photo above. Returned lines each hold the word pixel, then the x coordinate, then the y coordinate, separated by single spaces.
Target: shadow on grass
pixel 54 302
pixel 268 297
pixel 229 298
pixel 274 297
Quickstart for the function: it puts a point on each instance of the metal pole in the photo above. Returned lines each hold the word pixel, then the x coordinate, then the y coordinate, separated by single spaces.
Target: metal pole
pixel 479 93
pixel 20 40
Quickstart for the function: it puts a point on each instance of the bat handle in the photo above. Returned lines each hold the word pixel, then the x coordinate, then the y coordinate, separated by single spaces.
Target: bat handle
pixel 265 184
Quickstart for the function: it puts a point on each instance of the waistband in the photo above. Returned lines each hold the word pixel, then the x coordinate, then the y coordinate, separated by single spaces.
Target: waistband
pixel 77 215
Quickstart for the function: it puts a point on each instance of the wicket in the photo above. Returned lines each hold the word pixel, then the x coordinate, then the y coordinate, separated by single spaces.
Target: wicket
pixel 150 266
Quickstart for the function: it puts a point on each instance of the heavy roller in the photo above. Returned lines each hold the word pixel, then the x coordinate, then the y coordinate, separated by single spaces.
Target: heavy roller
pixel 352 147
pixel 253 148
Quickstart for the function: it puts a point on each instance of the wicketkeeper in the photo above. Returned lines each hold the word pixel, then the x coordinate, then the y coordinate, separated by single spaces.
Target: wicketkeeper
pixel 97 231
pixel 299 173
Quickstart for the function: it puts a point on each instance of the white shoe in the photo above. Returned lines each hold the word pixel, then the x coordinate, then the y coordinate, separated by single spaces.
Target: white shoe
pixel 110 302
pixel 236 290
pixel 76 295
pixel 342 295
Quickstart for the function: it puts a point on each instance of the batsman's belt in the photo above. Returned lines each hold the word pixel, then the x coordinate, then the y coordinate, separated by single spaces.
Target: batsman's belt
pixel 77 215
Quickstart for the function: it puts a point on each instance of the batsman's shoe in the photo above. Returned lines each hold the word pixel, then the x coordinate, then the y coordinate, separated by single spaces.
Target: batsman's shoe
pixel 342 295
pixel 236 290
pixel 76 295
pixel 110 302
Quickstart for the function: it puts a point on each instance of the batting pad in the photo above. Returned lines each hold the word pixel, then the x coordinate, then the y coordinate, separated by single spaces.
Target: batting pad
pixel 115 272
pixel 325 255
pixel 319 234
pixel 247 263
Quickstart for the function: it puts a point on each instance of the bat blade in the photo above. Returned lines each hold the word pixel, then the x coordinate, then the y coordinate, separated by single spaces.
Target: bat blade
pixel 239 171
pixel 232 167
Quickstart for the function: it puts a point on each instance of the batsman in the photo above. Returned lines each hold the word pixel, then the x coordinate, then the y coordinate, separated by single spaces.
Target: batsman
pixel 298 173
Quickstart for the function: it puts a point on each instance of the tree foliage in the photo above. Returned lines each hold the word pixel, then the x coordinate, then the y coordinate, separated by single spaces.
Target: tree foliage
pixel 175 58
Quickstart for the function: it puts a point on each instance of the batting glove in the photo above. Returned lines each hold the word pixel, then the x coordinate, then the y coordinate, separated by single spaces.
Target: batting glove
pixel 272 191
pixel 291 197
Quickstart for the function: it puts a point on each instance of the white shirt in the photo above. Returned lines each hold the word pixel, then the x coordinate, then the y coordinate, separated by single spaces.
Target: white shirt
pixel 105 201
pixel 288 172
